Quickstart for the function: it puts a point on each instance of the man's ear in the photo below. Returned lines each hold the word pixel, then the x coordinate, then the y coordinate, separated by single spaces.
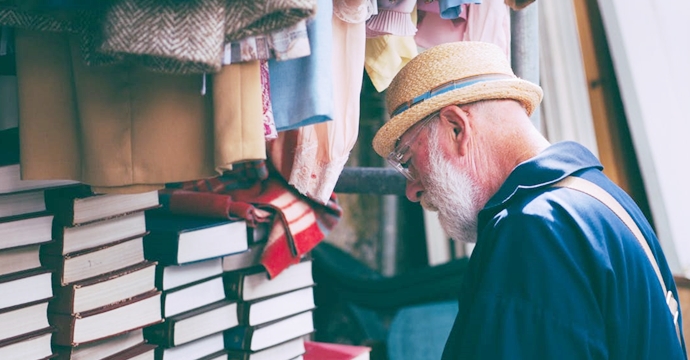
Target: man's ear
pixel 456 121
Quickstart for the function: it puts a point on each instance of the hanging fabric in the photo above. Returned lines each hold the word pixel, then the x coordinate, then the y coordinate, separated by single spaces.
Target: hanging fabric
pixel 302 89
pixel 393 18
pixel 284 44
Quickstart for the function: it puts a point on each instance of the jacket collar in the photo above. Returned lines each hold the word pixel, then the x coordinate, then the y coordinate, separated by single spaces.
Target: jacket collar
pixel 550 166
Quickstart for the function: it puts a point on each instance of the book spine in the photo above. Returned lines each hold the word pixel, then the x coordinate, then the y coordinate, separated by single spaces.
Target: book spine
pixel 238 355
pixel 243 309
pixel 238 338
pixel 161 334
pixel 65 329
pixel 161 247
pixel 63 302
pixel 233 284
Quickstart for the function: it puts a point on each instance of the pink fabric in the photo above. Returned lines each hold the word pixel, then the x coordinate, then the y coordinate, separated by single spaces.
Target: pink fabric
pixel 270 131
pixel 488 22
pixel 432 30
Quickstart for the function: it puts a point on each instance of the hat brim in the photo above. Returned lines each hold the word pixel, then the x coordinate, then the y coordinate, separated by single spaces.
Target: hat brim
pixel 525 92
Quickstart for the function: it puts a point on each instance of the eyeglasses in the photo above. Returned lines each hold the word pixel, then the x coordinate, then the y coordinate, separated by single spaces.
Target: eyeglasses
pixel 395 158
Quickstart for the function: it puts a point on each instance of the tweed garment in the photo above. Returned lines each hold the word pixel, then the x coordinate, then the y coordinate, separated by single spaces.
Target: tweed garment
pixel 169 36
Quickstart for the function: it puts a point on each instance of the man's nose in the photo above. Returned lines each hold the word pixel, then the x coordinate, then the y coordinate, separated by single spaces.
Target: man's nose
pixel 414 190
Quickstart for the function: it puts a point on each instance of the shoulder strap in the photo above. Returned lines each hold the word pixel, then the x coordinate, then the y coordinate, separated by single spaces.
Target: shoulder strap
pixel 602 195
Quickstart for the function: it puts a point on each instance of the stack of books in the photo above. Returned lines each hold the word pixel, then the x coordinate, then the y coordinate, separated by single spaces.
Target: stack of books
pixel 25 285
pixel 218 301
pixel 189 252
pixel 104 287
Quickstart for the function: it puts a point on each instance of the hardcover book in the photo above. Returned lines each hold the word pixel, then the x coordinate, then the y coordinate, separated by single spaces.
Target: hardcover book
pixel 25 318
pixel 176 240
pixel 174 276
pixel 254 283
pixel 90 263
pixel 244 260
pixel 25 287
pixel 193 350
pixel 102 348
pixel 81 328
pixel 11 182
pixel 141 351
pixel 195 324
pixel 265 310
pixel 284 351
pixel 97 234
pixel 20 259
pixel 22 203
pixel 255 338
pixel 104 289
pixel 192 296
pixel 78 205
pixel 25 230
pixel 35 345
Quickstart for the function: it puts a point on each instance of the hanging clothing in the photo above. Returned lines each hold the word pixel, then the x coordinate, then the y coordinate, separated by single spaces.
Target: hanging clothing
pixel 450 9
pixel 434 30
pixel 386 55
pixel 252 193
pixel 284 44
pixel 168 36
pixel 125 129
pixel 302 89
pixel 270 131
pixel 312 157
pixel 487 22
pixel 393 18
pixel 238 115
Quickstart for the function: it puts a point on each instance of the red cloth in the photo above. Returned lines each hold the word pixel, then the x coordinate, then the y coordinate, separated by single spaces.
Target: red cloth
pixel 299 224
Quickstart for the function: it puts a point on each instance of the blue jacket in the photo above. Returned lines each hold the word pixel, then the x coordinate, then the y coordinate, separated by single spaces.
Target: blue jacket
pixel 556 275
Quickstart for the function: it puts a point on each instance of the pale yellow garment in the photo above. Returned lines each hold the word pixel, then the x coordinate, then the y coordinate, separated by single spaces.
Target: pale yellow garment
pixel 312 157
pixel 238 114
pixel 386 55
pixel 120 129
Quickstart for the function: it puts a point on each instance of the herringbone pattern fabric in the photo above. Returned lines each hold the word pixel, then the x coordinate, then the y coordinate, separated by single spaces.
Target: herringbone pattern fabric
pixel 170 36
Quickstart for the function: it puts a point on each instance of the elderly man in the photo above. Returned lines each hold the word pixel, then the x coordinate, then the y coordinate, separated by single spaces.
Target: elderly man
pixel 565 264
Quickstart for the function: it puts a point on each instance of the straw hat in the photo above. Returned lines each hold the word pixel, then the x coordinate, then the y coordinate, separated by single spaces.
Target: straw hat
pixel 447 74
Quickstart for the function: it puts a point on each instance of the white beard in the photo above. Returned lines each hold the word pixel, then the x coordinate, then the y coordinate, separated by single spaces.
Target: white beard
pixel 452 193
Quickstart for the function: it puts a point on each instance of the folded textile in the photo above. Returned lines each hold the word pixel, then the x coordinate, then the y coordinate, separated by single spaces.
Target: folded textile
pixel 284 44
pixel 169 36
pixel 298 224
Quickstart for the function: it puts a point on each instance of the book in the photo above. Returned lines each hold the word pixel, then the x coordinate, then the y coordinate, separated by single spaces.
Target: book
pixel 25 230
pixel 89 263
pixel 22 203
pixel 80 328
pixel 189 326
pixel 25 318
pixel 284 351
pixel 35 345
pixel 105 289
pixel 11 182
pixel 78 205
pixel 174 276
pixel 96 234
pixel 254 338
pixel 176 240
pixel 192 296
pixel 25 287
pixel 141 351
pixel 220 355
pixel 193 350
pixel 321 350
pixel 19 259
pixel 254 283
pixel 244 260
pixel 277 307
pixel 102 348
